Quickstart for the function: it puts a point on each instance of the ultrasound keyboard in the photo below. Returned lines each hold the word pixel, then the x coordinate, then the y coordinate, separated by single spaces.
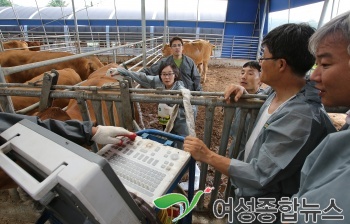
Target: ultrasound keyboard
pixel 145 167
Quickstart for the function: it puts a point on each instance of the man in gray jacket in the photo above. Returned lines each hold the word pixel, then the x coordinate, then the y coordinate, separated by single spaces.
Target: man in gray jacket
pixel 290 124
pixel 250 80
pixel 188 70
pixel 326 173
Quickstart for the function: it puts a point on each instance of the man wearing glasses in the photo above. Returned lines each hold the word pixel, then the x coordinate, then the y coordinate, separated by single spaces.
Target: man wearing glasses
pixel 290 124
pixel 188 70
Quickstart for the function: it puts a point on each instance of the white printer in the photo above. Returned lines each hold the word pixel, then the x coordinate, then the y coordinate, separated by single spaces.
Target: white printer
pixel 78 186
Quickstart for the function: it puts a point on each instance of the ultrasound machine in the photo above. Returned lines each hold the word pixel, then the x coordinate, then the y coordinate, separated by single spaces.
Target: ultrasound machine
pixel 79 186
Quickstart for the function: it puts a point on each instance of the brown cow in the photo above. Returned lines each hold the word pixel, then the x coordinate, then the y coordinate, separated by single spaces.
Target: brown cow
pixel 53 113
pixel 102 71
pixel 199 51
pixel 73 109
pixel 34 45
pixel 66 76
pixel 15 44
pixel 98 78
pixel 83 66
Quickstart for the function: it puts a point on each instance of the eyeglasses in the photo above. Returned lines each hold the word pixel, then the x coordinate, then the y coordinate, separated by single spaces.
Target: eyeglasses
pixel 262 59
pixel 176 45
pixel 167 74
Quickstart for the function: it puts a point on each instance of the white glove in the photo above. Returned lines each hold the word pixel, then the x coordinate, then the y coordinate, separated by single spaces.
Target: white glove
pixel 107 135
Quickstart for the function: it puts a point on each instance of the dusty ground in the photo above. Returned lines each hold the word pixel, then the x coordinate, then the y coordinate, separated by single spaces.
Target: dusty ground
pixel 218 78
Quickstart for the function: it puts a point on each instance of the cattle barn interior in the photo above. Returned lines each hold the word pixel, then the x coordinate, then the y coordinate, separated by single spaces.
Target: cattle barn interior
pixel 94 35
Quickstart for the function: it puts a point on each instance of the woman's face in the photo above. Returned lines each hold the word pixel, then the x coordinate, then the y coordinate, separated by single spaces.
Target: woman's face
pixel 168 77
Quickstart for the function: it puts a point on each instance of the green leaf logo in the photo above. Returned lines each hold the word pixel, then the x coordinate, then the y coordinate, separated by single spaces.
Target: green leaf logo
pixel 168 200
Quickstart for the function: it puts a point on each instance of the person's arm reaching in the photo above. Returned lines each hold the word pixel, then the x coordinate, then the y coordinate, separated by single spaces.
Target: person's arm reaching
pixel 200 152
pixel 144 80
pixel 80 132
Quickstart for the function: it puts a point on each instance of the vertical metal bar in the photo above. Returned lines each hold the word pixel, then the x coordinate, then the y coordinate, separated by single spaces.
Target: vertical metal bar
pixel 191 173
pixel 208 128
pixel 42 24
pixel 87 14
pixel 228 116
pixel 118 107
pixel 1 42
pixel 262 30
pixel 288 10
pixel 110 111
pixel 165 22
pixel 76 28
pixel 235 150
pixel 17 19
pixel 197 18
pixel 86 116
pixel 116 24
pixel 108 41
pixel 6 102
pixel 143 15
pixel 233 45
pixel 25 32
pixel 98 111
pixel 126 105
pixel 49 80
pixel 332 8
pixel 323 13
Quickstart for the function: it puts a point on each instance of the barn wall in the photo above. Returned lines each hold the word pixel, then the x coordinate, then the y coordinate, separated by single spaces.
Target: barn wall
pixel 242 19
pixel 277 5
pixel 235 37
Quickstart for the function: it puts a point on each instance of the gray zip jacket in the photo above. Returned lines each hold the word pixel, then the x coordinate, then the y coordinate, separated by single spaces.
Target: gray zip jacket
pixel 148 81
pixel 76 131
pixel 188 70
pixel 235 125
pixel 277 155
pixel 325 176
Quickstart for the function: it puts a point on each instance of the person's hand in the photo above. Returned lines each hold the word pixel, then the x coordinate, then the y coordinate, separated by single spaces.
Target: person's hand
pixel 107 135
pixel 197 148
pixel 237 90
pixel 112 72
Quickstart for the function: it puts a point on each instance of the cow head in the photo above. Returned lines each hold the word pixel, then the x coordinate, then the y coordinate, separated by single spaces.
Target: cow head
pixel 94 63
pixel 166 50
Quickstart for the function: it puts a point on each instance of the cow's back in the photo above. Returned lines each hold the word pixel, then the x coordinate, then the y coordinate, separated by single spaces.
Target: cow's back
pixel 204 47
pixel 67 76
pixel 21 45
pixel 73 109
pixel 53 113
pixel 34 45
pixel 83 66
pixel 198 50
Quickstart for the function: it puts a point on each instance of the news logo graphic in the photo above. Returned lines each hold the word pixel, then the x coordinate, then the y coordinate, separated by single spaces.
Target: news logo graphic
pixel 168 200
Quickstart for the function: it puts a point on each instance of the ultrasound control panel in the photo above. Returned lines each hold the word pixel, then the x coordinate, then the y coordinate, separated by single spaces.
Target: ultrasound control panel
pixel 146 167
